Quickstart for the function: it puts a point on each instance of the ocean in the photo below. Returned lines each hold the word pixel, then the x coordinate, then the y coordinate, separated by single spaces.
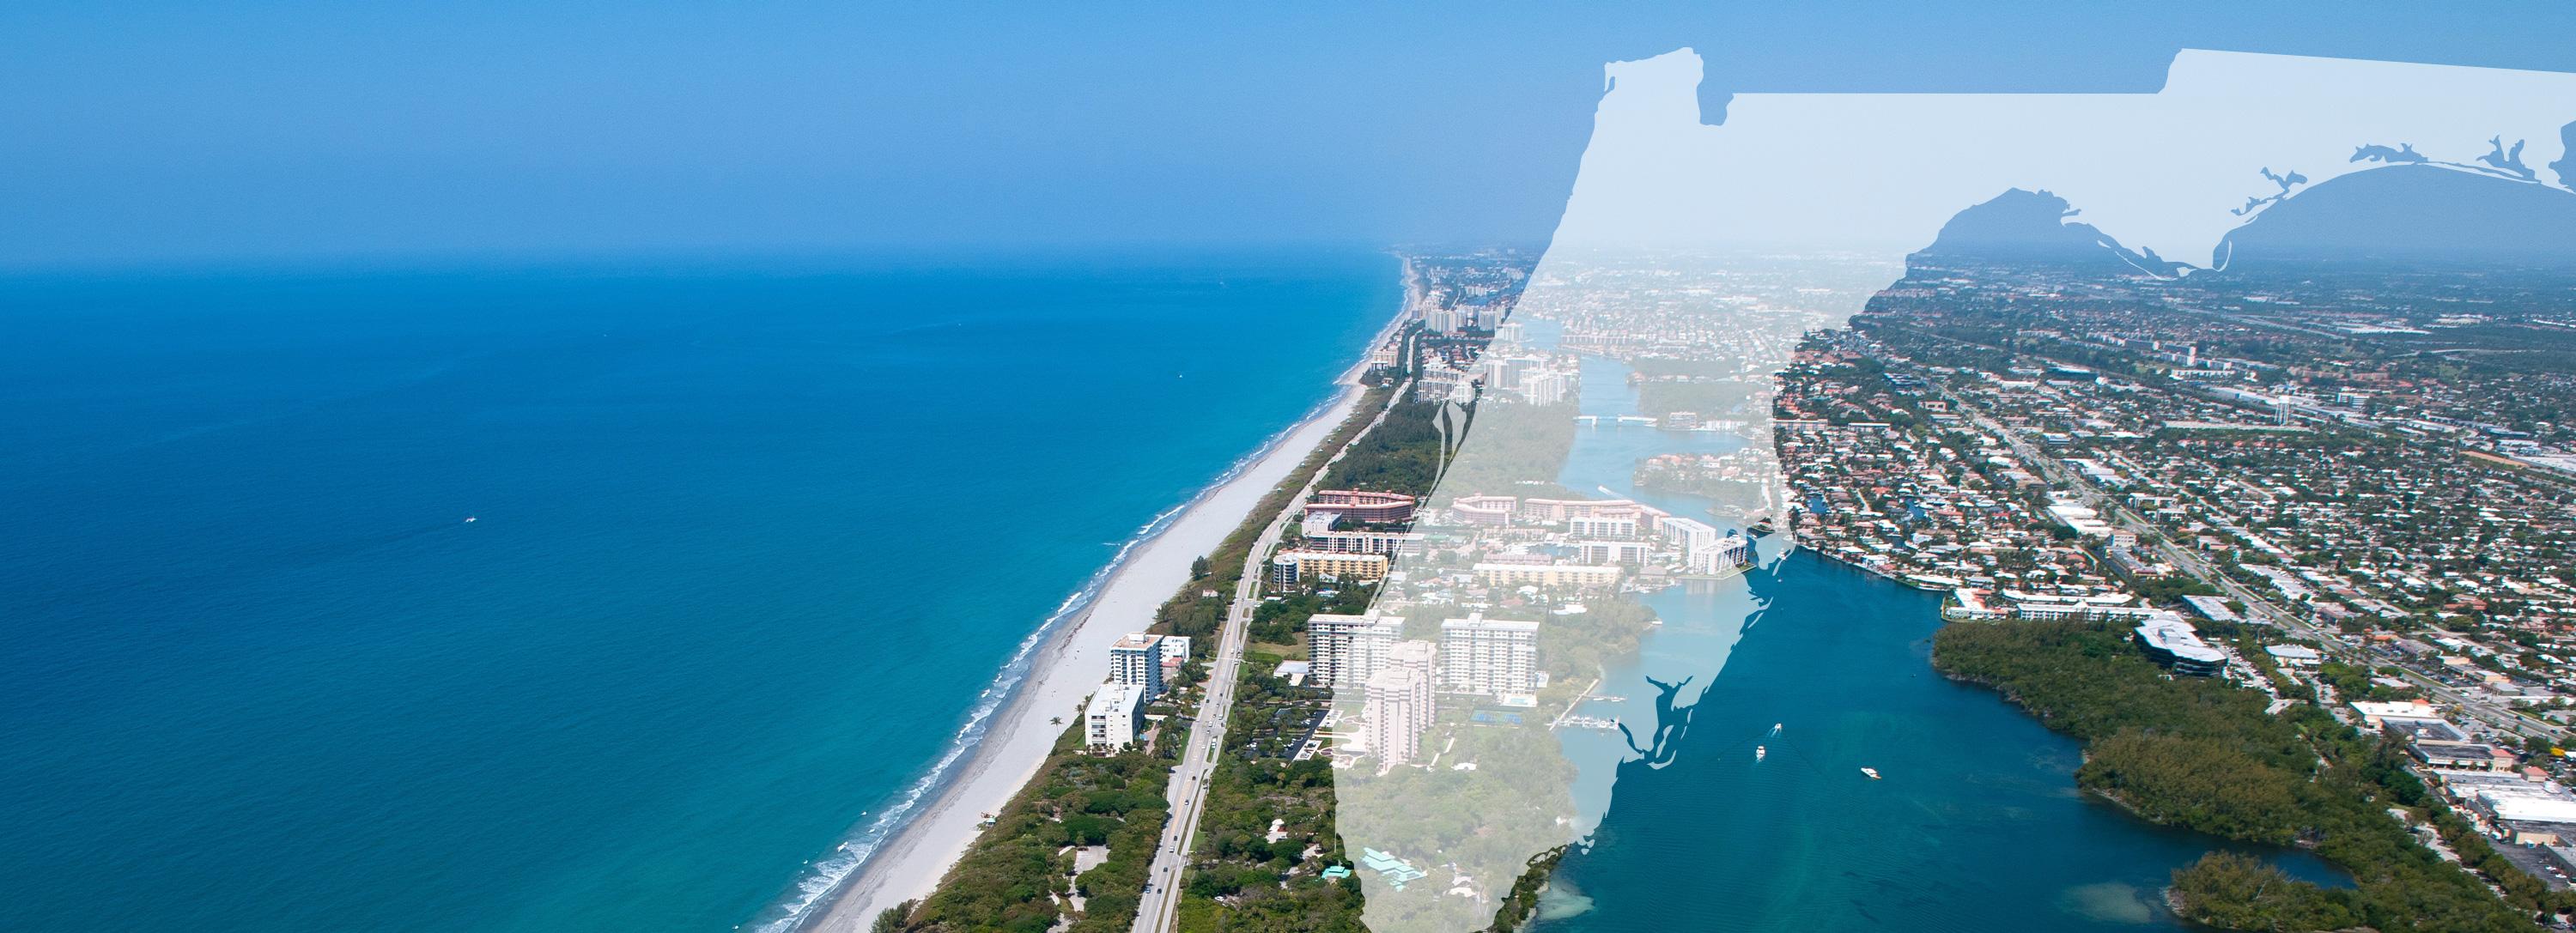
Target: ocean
pixel 747 546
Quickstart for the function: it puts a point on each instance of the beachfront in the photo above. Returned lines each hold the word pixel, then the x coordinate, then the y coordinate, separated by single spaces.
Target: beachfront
pixel 911 863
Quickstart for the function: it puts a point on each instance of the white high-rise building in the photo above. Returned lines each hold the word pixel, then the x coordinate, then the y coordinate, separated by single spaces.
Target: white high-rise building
pixel 1690 533
pixel 1116 714
pixel 1546 387
pixel 1489 656
pixel 1722 555
pixel 1399 707
pixel 1344 651
pixel 1704 551
pixel 1418 657
pixel 1137 661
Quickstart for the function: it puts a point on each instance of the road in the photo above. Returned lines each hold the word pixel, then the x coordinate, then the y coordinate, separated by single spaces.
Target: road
pixel 1187 792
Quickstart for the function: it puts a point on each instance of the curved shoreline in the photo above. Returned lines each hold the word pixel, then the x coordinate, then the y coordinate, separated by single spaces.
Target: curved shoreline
pixel 1064 663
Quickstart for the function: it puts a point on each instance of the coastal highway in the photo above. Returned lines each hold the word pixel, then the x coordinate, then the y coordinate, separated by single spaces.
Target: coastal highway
pixel 1188 791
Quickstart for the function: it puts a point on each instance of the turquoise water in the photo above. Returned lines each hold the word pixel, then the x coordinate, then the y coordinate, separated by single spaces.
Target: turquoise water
pixel 750 542
pixel 1976 826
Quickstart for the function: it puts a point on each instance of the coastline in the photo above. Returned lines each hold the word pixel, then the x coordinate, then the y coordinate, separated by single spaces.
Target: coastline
pixel 1068 663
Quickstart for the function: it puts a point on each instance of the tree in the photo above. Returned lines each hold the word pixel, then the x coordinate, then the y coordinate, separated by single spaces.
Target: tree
pixel 891 919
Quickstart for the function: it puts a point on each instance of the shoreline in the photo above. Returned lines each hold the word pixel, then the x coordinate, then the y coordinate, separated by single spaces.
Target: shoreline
pixel 1066 664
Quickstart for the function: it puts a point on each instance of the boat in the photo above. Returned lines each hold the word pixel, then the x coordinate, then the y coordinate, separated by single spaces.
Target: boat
pixel 469 519
pixel 1759 751
pixel 1872 772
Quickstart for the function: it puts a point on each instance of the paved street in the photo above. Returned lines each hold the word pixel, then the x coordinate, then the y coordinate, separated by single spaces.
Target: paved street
pixel 1188 791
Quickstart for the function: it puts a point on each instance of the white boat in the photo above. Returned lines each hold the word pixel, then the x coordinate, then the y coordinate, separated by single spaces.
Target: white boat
pixel 1872 772
pixel 1759 751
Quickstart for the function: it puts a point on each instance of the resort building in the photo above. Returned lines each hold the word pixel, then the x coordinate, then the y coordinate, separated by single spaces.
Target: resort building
pixel 1357 505
pixel 1489 656
pixel 1495 511
pixel 1566 510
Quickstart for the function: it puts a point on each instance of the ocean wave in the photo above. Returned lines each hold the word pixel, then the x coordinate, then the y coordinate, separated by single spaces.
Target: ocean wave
pixel 814 889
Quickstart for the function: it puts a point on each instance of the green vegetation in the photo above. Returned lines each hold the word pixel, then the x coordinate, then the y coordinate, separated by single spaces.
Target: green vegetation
pixel 1511 446
pixel 2201 753
pixel 1520 905
pixel 1278 621
pixel 1402 455
pixel 2355 683
pixel 1016 875
pixel 1265 885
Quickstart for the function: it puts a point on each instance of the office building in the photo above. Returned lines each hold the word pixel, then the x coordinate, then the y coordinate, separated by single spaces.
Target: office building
pixel 2172 642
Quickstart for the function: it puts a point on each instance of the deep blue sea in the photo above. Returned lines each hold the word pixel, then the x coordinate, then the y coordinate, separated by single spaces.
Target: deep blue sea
pixel 748 544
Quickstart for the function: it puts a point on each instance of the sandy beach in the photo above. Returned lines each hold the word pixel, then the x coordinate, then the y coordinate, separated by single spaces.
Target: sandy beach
pixel 911 863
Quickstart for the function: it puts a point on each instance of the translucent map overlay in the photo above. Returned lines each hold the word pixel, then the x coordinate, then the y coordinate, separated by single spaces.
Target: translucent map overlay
pixel 1550 622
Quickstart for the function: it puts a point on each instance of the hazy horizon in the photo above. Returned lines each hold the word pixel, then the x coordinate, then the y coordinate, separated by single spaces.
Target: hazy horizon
pixel 283 133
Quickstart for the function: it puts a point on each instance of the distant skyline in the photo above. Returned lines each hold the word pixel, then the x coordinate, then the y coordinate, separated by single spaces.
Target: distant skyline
pixel 157 134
